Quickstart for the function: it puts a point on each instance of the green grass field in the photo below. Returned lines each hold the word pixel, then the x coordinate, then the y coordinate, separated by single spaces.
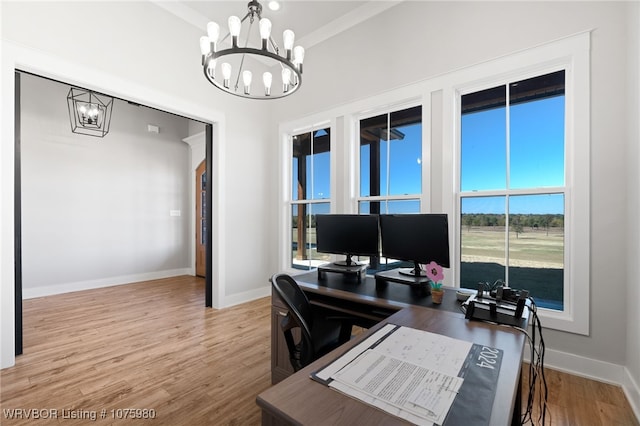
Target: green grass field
pixel 536 259
pixel 533 247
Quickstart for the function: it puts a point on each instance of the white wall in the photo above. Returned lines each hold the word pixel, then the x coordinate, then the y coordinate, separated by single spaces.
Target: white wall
pixel 633 225
pixel 95 211
pixel 138 51
pixel 417 40
pixel 195 127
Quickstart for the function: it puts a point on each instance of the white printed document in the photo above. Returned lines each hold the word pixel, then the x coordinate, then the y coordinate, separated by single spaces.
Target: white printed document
pixel 412 374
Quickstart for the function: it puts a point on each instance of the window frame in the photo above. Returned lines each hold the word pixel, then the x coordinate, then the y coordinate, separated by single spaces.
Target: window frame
pixel 286 217
pixel 508 192
pixel 440 141
pixel 571 55
pixel 425 177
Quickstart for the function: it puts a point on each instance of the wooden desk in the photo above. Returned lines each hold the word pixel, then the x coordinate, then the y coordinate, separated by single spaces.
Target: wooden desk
pixel 365 299
pixel 300 400
pixel 349 295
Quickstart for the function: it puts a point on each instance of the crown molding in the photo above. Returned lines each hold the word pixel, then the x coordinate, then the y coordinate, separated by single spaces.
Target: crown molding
pixel 346 21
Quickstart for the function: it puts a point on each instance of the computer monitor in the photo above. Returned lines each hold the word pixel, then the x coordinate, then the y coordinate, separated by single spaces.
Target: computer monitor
pixel 417 238
pixel 348 234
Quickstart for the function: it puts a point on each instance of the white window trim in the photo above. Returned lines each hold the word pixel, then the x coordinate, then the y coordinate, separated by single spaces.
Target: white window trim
pixel 287 131
pixel 571 54
pixel 439 190
pixel 389 109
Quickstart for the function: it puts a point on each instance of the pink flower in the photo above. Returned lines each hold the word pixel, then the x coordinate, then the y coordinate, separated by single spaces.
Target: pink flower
pixel 434 272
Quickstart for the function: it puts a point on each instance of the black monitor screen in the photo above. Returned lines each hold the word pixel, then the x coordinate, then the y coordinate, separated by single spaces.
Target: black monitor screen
pixel 348 234
pixel 418 238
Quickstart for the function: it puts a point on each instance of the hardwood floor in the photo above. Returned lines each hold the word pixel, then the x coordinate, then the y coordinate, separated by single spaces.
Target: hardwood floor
pixel 154 346
pixel 573 401
pixel 150 345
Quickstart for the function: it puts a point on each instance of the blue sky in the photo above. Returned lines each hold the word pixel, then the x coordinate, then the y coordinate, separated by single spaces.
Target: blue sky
pixel 405 167
pixel 520 204
pixel 536 156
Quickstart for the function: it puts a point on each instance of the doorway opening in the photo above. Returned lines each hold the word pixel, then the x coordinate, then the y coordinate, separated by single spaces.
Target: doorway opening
pixel 20 225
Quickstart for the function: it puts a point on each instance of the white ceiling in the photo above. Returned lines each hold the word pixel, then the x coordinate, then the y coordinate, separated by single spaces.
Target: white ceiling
pixel 312 21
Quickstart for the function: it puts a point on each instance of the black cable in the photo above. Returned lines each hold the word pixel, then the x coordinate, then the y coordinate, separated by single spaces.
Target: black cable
pixel 543 402
pixel 536 371
pixel 536 365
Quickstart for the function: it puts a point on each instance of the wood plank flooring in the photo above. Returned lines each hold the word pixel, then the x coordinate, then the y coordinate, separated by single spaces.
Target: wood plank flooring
pixel 150 345
pixel 577 401
pixel 154 346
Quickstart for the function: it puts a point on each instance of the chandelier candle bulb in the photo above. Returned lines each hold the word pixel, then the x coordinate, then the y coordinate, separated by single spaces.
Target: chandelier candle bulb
pixel 267 79
pixel 205 47
pixel 286 78
pixel 213 31
pixel 211 68
pixel 288 38
pixel 234 28
pixel 226 73
pixel 246 79
pixel 298 56
pixel 265 32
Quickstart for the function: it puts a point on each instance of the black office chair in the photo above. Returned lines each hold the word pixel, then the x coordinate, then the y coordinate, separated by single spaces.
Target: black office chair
pixel 320 331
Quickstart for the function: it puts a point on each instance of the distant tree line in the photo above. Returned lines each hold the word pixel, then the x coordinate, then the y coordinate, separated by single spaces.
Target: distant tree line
pixel 519 222
pixel 294 221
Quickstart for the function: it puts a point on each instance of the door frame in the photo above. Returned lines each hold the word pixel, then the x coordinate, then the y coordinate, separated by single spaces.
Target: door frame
pixel 208 296
pixel 16 58
pixel 18 313
pixel 17 206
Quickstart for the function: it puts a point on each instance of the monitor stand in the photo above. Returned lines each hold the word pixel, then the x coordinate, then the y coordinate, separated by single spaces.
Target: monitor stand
pixel 345 267
pixel 348 262
pixel 418 283
pixel 415 272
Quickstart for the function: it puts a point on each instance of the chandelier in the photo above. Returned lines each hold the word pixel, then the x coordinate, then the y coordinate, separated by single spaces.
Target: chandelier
pixel 234 69
pixel 89 112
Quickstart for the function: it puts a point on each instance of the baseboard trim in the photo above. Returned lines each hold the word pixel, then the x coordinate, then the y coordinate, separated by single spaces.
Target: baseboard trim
pixel 581 366
pixel 601 371
pixel 32 293
pixel 246 296
pixel 632 392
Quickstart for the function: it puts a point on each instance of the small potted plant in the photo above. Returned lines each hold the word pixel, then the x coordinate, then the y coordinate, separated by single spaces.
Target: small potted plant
pixel 435 275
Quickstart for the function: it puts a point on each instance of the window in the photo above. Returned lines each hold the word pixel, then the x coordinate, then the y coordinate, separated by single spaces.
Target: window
pixel 310 194
pixel 506 156
pixel 513 187
pixel 390 165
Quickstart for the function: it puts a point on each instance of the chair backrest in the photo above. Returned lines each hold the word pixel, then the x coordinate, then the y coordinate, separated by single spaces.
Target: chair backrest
pixel 300 315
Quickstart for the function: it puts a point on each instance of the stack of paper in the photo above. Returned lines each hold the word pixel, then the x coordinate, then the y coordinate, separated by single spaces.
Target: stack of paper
pixel 412 374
